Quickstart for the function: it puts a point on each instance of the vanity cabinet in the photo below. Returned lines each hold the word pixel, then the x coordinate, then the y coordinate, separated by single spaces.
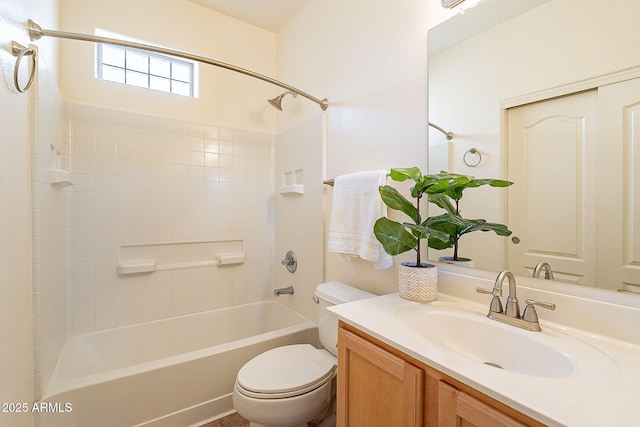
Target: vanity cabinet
pixel 457 408
pixel 375 386
pixel 379 385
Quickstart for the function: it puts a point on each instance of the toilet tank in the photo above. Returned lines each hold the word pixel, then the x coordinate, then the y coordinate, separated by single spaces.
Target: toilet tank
pixel 328 294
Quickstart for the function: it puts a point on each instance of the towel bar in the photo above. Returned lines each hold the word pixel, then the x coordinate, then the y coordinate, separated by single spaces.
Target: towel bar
pixel 332 181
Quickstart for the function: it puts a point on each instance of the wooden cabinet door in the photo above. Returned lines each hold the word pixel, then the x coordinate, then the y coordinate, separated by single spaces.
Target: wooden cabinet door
pixel 458 409
pixel 376 388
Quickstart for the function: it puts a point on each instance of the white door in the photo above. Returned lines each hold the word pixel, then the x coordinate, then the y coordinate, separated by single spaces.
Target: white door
pixel 552 204
pixel 619 186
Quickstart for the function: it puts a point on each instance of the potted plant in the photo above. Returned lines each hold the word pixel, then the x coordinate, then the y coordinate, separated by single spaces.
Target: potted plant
pixel 451 221
pixel 417 280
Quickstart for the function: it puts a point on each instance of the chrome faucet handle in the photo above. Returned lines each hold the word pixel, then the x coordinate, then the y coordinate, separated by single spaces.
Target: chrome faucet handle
pixel 530 315
pixel 512 307
pixel 496 304
pixel 495 292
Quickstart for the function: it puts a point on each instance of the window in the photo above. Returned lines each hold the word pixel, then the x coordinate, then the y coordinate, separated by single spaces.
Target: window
pixel 145 69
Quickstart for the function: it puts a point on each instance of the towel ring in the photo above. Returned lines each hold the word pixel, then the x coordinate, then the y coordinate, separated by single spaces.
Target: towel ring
pixel 472 151
pixel 20 52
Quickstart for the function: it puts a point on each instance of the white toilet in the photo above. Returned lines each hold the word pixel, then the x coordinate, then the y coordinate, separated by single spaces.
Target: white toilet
pixel 294 385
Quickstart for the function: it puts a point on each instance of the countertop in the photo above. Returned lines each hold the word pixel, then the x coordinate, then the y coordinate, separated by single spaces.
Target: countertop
pixel 603 390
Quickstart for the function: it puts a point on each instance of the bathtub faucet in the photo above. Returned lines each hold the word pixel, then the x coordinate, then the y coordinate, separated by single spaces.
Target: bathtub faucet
pixel 281 291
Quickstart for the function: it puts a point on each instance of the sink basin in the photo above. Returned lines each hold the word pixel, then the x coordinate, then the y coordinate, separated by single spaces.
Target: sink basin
pixel 495 344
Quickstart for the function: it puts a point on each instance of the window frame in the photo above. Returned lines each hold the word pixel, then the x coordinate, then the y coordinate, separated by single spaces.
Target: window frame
pixel 171 59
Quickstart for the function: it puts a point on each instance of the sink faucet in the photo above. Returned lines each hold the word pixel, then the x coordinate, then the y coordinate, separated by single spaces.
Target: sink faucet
pixel 548 274
pixel 512 308
pixel 511 314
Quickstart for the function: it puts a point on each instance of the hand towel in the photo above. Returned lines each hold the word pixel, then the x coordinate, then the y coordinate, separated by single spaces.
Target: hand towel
pixel 356 205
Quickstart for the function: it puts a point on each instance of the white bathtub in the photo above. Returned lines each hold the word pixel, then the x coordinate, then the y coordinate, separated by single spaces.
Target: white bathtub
pixel 173 372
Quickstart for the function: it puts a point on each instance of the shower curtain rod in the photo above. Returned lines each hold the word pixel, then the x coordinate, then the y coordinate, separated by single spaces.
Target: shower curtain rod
pixel 36 32
pixel 449 135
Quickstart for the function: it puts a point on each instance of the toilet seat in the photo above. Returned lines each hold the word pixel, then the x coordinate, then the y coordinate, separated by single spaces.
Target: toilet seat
pixel 286 372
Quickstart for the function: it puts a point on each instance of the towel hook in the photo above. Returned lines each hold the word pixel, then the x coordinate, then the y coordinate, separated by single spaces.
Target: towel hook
pixel 20 52
pixel 473 151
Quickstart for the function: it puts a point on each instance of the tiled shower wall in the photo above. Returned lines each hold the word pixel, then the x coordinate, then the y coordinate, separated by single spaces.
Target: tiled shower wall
pixel 301 148
pixel 146 180
pixel 50 226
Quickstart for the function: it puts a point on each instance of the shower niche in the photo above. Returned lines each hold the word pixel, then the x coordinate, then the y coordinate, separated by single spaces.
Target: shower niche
pixel 292 182
pixel 60 174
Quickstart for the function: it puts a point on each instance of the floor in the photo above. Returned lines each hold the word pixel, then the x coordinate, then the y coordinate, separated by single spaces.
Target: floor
pixel 233 420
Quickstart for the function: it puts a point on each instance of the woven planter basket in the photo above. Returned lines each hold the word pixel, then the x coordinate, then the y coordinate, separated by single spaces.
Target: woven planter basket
pixel 418 284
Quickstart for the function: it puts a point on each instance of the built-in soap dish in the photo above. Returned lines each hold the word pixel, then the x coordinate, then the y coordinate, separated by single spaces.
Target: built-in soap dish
pixel 60 178
pixel 292 182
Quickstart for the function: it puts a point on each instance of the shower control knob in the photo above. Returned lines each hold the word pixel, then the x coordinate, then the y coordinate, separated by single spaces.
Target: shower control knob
pixel 290 261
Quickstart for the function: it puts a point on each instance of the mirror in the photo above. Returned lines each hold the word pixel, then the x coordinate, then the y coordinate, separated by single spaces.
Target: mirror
pixel 503 54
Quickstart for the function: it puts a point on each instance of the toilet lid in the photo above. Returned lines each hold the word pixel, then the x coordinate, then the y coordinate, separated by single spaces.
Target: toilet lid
pixel 283 370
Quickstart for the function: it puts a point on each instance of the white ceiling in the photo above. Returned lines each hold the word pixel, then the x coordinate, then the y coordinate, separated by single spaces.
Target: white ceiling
pixel 267 14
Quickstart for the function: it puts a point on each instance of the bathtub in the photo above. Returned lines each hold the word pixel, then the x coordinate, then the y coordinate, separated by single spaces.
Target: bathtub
pixel 172 372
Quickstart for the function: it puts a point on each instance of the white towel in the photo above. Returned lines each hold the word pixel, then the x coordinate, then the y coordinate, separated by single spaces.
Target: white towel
pixel 355 207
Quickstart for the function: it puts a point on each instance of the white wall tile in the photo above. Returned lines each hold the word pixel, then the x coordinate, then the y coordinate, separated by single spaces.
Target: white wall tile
pixel 211 132
pixel 145 180
pixel 50 253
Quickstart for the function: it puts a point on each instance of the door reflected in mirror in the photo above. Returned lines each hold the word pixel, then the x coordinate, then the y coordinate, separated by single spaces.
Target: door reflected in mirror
pixel 573 203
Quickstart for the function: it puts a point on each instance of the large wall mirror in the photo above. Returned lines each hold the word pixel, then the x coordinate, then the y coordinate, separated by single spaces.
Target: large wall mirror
pixel 548 93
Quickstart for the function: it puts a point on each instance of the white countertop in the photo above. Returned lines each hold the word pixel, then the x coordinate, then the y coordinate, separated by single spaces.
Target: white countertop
pixel 603 390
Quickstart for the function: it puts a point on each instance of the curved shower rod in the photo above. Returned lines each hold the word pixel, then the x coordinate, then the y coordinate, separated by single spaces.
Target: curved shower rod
pixel 36 32
pixel 449 135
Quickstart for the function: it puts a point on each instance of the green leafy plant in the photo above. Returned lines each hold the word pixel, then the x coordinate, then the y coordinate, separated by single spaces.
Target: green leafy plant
pixel 451 222
pixel 396 237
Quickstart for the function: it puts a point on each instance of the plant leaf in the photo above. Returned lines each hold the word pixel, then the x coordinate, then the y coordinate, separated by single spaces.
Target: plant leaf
pixel 401 174
pixel 439 244
pixel 447 218
pixel 493 182
pixel 393 236
pixel 392 198
pixel 421 231
pixel 447 224
pixel 482 225
pixel 442 201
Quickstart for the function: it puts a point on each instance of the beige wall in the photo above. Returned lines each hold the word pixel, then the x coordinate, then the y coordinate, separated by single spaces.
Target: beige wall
pixel 16 333
pixel 541 57
pixel 370 60
pixel 298 217
pixel 226 98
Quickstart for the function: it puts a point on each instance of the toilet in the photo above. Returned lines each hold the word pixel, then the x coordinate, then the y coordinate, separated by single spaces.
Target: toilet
pixel 294 385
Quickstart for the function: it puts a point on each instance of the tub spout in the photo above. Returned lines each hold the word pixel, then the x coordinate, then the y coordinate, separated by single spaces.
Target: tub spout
pixel 281 291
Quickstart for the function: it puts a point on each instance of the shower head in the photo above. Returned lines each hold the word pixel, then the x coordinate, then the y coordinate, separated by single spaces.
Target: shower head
pixel 277 101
